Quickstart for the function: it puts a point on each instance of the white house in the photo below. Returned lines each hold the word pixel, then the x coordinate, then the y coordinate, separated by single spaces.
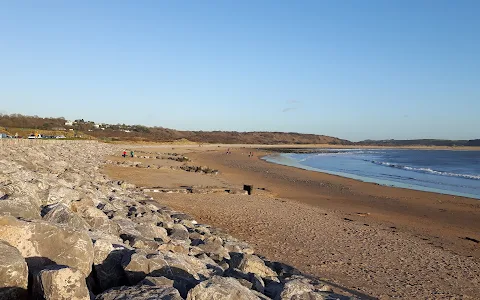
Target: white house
pixel 69 123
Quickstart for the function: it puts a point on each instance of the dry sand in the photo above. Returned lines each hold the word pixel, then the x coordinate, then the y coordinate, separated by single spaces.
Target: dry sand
pixel 380 241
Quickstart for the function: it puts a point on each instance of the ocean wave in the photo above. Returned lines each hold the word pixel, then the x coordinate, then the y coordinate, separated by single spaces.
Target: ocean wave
pixel 426 170
pixel 336 152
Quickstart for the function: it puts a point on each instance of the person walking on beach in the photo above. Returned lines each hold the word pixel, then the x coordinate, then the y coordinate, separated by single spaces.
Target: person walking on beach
pixel 131 153
pixel 124 154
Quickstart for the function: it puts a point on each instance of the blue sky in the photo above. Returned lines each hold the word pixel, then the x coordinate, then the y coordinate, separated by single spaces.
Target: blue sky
pixel 351 69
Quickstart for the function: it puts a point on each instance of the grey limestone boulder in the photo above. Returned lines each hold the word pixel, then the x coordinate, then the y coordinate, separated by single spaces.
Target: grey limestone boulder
pixel 42 243
pixel 239 247
pixel 178 265
pixel 60 283
pixel 98 220
pixel 126 226
pixel 249 263
pixel 61 214
pixel 107 263
pixel 174 246
pixel 141 292
pixel 19 206
pixel 175 266
pixel 157 281
pixel 178 232
pixel 296 289
pixel 62 194
pixel 221 288
pixel 143 243
pixel 300 288
pixel 213 247
pixel 152 231
pixel 13 273
pixel 136 266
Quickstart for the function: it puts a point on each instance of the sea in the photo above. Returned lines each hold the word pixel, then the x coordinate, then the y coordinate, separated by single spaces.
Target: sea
pixel 441 171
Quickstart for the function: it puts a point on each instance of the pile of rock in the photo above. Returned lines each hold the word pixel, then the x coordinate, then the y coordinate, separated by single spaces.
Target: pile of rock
pixel 188 168
pixel 198 169
pixel 68 232
pixel 170 156
pixel 196 190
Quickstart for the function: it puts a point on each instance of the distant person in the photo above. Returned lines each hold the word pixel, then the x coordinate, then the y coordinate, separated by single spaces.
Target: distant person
pixel 131 154
pixel 124 154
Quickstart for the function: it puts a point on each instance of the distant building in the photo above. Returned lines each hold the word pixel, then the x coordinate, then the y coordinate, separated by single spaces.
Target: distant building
pixel 69 123
pixel 3 135
pixel 96 125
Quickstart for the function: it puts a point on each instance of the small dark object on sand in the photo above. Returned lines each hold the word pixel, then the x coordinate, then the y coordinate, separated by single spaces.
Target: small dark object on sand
pixel 248 188
pixel 472 239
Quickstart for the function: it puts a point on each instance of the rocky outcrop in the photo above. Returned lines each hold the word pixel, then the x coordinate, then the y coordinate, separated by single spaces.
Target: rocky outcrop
pixel 13 273
pixel 60 283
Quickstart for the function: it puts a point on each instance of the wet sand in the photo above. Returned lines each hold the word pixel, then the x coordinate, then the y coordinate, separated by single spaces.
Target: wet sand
pixel 370 239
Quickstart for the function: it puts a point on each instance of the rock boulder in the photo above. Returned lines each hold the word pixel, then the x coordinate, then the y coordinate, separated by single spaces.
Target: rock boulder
pixel 249 263
pixel 60 283
pixel 13 273
pixel 19 207
pixel 42 243
pixel 61 214
pixel 107 264
pixel 221 288
pixel 142 292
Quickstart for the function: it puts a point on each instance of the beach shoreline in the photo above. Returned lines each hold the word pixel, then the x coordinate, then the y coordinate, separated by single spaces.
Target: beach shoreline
pixel 418 212
pixel 277 158
pixel 378 240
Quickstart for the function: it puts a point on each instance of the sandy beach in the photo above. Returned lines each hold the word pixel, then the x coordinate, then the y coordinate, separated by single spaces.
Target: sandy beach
pixel 371 240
